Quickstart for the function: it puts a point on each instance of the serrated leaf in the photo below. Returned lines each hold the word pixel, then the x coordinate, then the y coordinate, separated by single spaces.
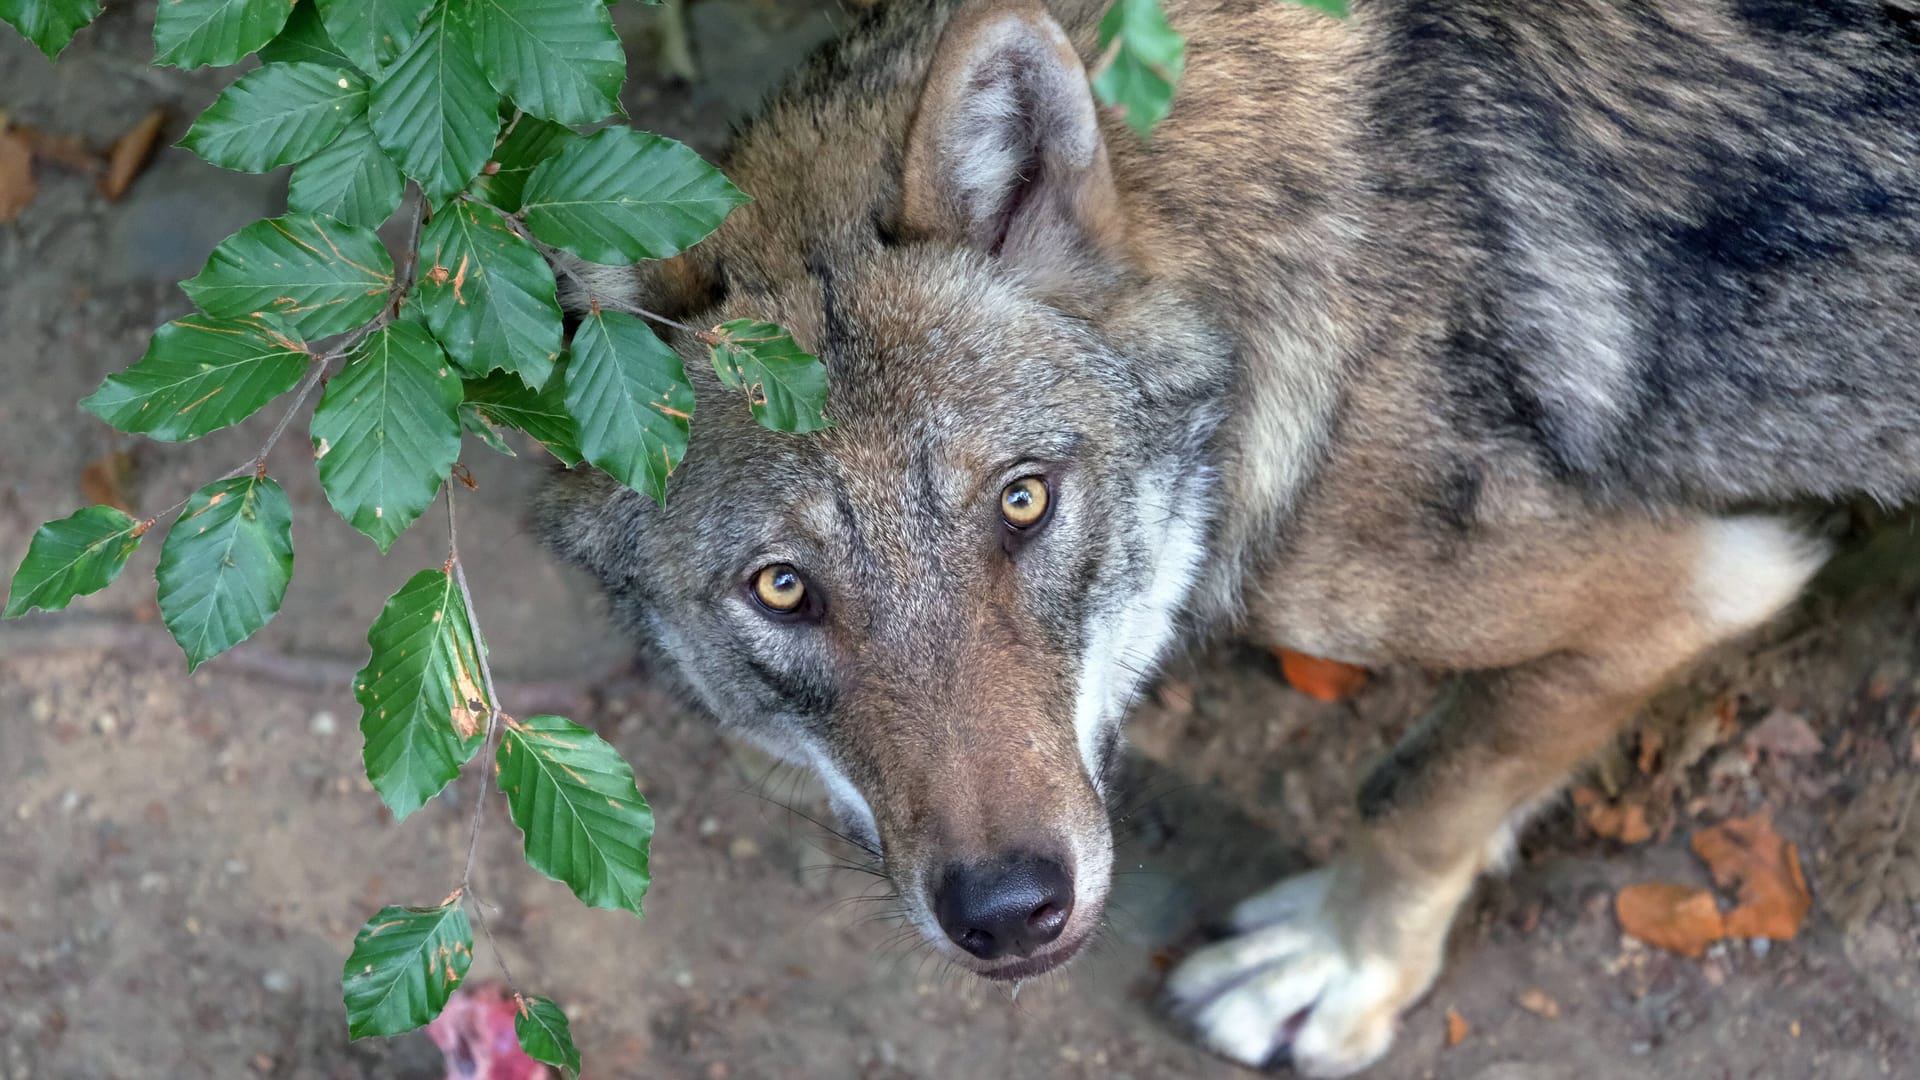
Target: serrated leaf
pixel 544 1035
pixel 619 195
pixel 529 142
pixel 406 963
pixel 489 295
pixel 225 565
pixel 321 276
pixel 423 707
pixel 304 40
pixel 277 115
pixel 353 181
pixel 628 393
pixel 76 555
pixel 576 804
pixel 786 386
pixel 49 24
pixel 557 59
pixel 373 32
pixel 200 374
pixel 1140 76
pixel 387 431
pixel 503 399
pixel 196 33
pixel 474 424
pixel 432 109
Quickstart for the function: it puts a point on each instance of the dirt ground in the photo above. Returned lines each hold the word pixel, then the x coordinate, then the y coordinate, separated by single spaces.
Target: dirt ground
pixel 183 860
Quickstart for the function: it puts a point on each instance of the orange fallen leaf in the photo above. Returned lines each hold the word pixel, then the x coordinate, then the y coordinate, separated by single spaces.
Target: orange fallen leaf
pixel 108 481
pixel 1651 743
pixel 1536 1001
pixel 1774 899
pixel 1457 1028
pixel 130 154
pixel 16 175
pixel 1322 680
pixel 1625 821
pixel 1671 917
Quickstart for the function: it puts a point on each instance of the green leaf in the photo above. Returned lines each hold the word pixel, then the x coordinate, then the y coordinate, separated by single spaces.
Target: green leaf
pixel 423 708
pixel 477 425
pixel 387 431
pixel 406 962
pixel 543 1033
pixel 503 399
pixel 530 142
pixel 277 115
pixel 629 394
pixel 786 386
pixel 200 374
pixel 353 180
pixel 619 195
pixel 488 294
pixel 557 59
pixel 323 277
pixel 1141 75
pixel 49 24
pixel 373 32
pixel 225 565
pixel 432 109
pixel 575 802
pixel 1335 8
pixel 74 556
pixel 196 33
pixel 305 40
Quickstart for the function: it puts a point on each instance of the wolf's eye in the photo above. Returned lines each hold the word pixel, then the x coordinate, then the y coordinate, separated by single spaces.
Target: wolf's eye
pixel 779 588
pixel 1023 503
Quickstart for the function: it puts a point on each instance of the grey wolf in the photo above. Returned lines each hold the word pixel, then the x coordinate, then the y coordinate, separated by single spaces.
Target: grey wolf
pixel 1492 337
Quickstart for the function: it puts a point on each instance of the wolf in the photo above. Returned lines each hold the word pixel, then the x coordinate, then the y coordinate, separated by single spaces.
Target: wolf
pixel 1491 337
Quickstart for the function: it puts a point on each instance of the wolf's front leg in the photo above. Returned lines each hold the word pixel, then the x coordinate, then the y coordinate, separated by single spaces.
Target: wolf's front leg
pixel 1320 967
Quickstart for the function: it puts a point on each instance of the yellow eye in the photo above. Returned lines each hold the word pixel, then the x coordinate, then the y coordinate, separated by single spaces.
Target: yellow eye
pixel 780 588
pixel 1023 503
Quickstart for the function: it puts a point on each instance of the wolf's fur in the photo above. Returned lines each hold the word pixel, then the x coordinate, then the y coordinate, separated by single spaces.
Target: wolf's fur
pixel 1472 334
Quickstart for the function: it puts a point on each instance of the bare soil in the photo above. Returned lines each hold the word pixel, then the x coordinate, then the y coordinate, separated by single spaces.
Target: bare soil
pixel 183 860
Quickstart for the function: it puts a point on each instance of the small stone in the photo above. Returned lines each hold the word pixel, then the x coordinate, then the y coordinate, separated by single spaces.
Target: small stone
pixel 70 801
pixel 41 708
pixel 708 826
pixel 324 724
pixel 1760 946
pixel 235 868
pixel 683 979
pixel 743 847
pixel 1536 1001
pixel 153 881
pixel 106 723
pixel 277 982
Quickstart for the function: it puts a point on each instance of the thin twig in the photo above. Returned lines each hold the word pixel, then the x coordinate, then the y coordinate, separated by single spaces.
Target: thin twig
pixel 478 908
pixel 596 299
pixel 486 680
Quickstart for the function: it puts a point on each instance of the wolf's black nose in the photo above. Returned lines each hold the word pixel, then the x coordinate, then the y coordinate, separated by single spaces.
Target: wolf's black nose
pixel 1007 906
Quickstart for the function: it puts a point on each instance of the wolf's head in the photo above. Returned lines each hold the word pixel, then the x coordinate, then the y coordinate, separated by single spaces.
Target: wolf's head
pixel 945 603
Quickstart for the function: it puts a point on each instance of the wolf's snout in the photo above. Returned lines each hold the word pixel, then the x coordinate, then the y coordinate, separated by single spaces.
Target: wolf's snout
pixel 1006 907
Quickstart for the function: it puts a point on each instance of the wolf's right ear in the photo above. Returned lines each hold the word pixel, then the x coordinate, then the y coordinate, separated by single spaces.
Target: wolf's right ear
pixel 1006 152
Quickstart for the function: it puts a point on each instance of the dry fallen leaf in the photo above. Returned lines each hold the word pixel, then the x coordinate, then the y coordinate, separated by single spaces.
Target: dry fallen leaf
pixel 1671 917
pixel 108 481
pixel 1457 1028
pixel 1322 680
pixel 1536 1001
pixel 16 175
pixel 1625 820
pixel 1773 890
pixel 130 154
pixel 1874 859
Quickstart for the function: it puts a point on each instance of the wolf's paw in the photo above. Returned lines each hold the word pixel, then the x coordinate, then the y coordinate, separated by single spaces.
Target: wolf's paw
pixel 1283 989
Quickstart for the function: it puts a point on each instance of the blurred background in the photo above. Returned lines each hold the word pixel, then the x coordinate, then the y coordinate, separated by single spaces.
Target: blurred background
pixel 184 860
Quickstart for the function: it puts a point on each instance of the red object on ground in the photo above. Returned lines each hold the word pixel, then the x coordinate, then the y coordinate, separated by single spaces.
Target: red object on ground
pixel 475 1034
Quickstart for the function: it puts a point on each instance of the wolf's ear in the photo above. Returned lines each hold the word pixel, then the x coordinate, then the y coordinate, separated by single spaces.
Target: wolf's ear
pixel 1005 152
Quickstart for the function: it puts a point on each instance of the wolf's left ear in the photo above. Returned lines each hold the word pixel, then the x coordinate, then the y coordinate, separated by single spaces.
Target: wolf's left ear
pixel 1005 152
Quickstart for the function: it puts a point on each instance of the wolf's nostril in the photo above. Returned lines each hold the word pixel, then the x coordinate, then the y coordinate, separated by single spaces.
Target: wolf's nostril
pixel 1010 905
